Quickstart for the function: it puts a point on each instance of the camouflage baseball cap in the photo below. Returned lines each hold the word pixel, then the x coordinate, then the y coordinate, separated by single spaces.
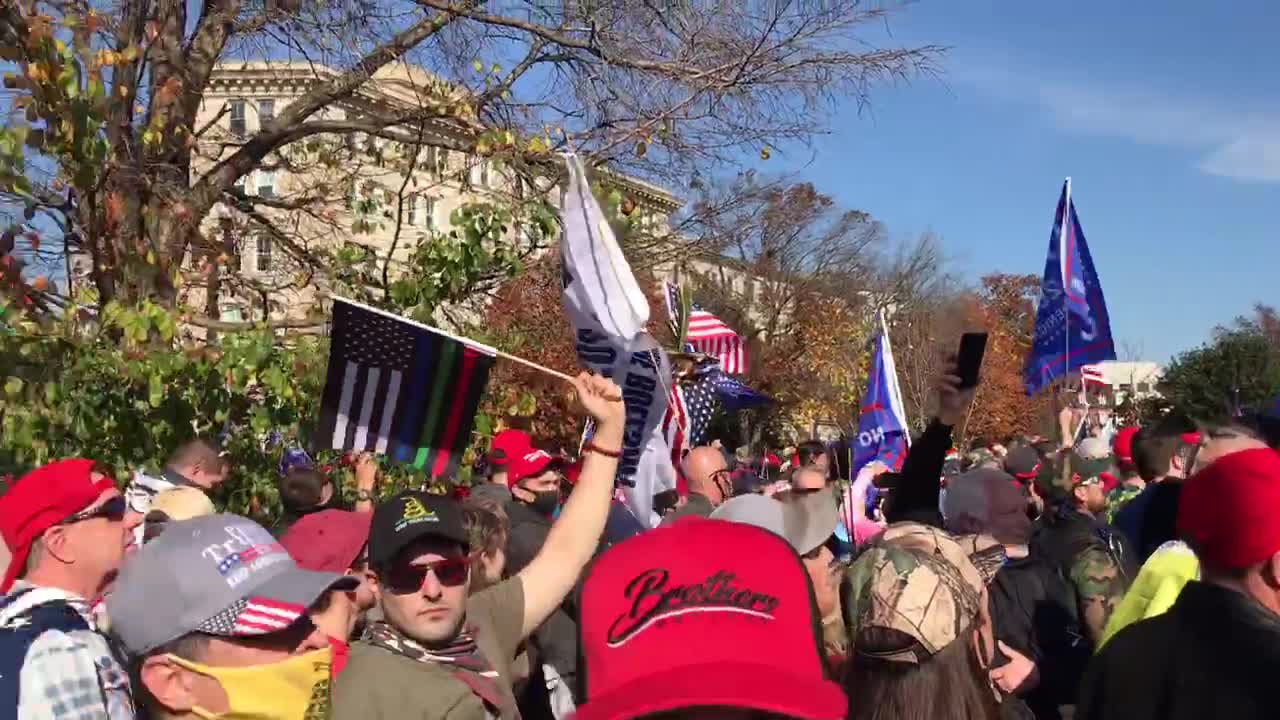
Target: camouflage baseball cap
pixel 921 582
pixel 1061 473
pixel 980 457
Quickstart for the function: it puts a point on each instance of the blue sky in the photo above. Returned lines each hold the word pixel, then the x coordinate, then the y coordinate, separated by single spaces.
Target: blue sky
pixel 1166 116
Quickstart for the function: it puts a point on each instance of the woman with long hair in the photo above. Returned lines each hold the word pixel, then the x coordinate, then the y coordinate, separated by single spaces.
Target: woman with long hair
pixel 915 606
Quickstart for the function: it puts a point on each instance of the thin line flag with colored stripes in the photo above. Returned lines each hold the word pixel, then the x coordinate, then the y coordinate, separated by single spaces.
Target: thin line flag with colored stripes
pixel 400 388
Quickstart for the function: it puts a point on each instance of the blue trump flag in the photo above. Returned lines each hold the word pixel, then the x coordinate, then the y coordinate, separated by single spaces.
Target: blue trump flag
pixel 1072 325
pixel 882 426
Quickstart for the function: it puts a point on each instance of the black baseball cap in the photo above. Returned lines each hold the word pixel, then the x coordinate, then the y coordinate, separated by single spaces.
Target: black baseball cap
pixel 1022 462
pixel 409 516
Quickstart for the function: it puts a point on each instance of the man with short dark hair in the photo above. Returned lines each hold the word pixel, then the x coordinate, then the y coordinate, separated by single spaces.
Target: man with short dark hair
pixel 306 488
pixel 440 653
pixel 68 528
pixel 215 612
pixel 1165 454
pixel 196 463
pixel 1215 652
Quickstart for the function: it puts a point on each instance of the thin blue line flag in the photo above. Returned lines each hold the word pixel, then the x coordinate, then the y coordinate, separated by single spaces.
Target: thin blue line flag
pixel 1072 324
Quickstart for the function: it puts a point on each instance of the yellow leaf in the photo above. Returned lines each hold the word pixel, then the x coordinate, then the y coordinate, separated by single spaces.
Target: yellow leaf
pixel 477 65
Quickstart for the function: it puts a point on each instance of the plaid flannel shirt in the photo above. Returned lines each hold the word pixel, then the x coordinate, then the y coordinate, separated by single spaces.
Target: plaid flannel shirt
pixel 73 675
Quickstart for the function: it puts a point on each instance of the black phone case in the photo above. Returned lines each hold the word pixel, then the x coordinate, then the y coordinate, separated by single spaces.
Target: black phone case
pixel 973 347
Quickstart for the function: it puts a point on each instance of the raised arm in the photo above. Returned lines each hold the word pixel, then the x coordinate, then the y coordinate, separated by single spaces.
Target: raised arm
pixel 916 496
pixel 551 575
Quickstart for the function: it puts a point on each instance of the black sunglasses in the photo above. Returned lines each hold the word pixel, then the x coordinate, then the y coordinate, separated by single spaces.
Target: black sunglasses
pixel 405 579
pixel 113 509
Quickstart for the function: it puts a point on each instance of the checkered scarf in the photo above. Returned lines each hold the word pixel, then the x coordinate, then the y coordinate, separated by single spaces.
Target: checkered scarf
pixel 471 666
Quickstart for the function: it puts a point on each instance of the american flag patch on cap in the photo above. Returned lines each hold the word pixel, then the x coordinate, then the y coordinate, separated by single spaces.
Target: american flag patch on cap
pixel 253 616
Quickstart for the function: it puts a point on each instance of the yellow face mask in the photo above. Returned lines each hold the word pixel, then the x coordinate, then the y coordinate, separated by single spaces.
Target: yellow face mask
pixel 293 689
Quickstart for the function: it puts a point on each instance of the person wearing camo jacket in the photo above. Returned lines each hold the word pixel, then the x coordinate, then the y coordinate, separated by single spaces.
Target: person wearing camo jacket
pixel 1094 558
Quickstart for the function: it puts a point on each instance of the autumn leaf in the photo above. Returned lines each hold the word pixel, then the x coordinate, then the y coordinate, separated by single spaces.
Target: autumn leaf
pixel 40 284
pixel 153 30
pixel 115 209
pixel 169 91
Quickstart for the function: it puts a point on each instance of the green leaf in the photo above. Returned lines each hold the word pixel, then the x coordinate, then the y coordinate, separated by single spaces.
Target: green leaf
pixel 155 391
pixel 13 386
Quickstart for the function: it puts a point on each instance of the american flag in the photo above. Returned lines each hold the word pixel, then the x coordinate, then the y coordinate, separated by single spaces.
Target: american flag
pixel 708 334
pixel 701 401
pixel 253 616
pixel 1092 375
pixel 675 425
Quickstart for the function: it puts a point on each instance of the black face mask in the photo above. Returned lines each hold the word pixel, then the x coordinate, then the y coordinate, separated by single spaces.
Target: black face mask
pixel 546 502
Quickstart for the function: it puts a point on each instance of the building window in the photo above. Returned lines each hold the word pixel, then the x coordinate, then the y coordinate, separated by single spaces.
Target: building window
pixel 266 183
pixel 480 174
pixel 240 183
pixel 428 213
pixel 442 161
pixel 262 256
pixel 410 211
pixel 427 160
pixel 1143 387
pixel 237 118
pixel 266 111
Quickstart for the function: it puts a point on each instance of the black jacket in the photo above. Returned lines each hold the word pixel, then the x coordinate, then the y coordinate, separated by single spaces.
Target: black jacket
pixel 556 639
pixel 915 498
pixel 1214 654
pixel 1033 610
pixel 1150 519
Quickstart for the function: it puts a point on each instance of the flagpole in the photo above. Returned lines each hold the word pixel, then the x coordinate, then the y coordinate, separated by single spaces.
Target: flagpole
pixel 533 365
pixel 906 431
pixel 1066 311
pixel 1062 259
pixel 465 341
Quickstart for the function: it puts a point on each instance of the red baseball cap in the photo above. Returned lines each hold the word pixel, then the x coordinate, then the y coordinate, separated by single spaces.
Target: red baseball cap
pixel 1230 511
pixel 1122 444
pixel 531 462
pixel 508 445
pixel 670 621
pixel 328 541
pixel 41 499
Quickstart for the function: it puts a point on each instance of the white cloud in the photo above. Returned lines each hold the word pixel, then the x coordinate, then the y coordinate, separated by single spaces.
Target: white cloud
pixel 1234 142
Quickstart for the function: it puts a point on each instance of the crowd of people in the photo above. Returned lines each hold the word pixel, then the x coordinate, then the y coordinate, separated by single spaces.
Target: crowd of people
pixel 1126 577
